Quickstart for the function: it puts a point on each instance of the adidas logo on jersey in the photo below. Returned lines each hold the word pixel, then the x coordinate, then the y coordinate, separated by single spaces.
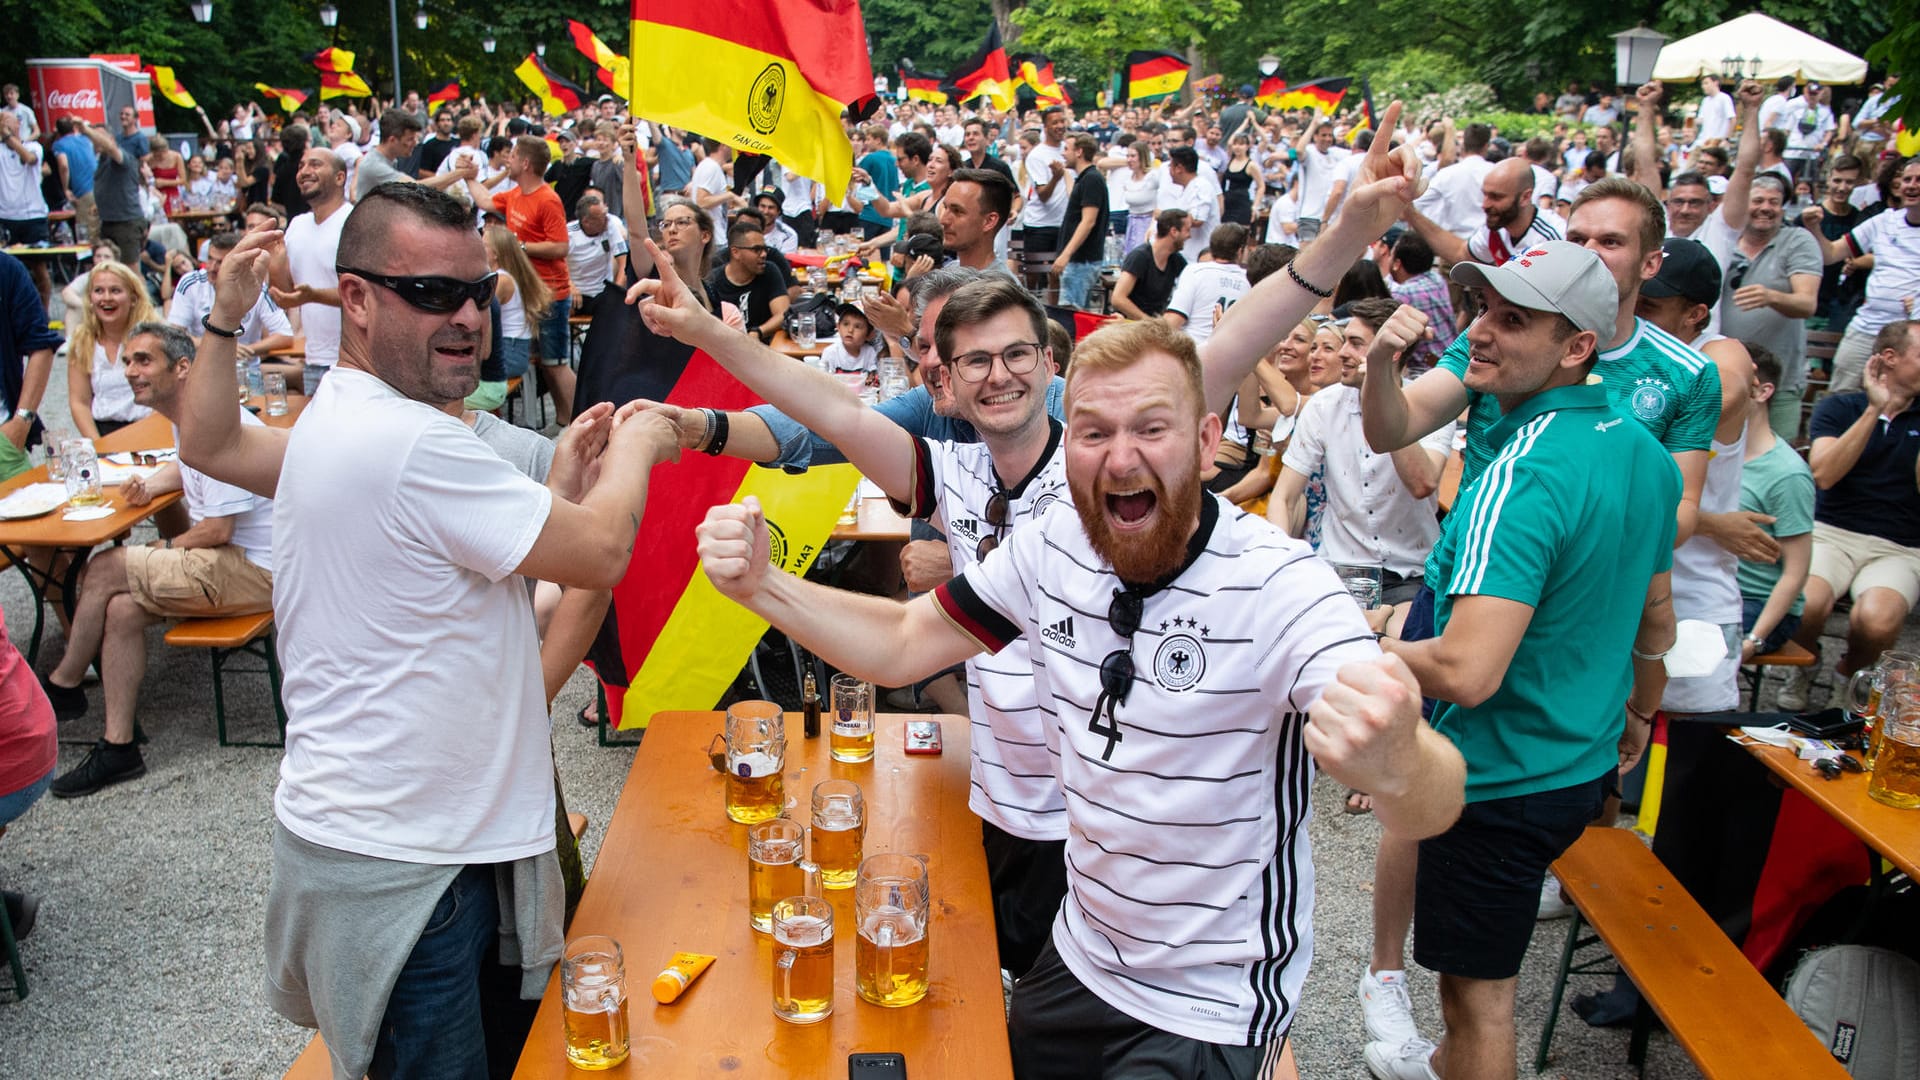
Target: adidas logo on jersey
pixel 967 527
pixel 1061 632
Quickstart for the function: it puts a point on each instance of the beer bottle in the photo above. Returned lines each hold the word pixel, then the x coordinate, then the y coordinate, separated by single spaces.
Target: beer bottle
pixel 810 704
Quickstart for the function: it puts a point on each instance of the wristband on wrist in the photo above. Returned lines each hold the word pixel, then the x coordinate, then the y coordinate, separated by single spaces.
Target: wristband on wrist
pixel 1638 715
pixel 706 437
pixel 206 323
pixel 718 441
pixel 1324 294
pixel 1661 655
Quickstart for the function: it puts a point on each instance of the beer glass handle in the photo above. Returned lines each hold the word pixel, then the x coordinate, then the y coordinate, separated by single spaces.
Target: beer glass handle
pixel 812 871
pixel 785 964
pixel 1860 690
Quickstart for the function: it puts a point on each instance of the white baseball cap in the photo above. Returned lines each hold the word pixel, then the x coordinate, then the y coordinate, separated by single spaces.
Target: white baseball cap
pixel 1556 276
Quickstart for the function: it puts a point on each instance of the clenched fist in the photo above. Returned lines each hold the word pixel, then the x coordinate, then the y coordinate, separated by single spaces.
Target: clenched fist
pixel 734 550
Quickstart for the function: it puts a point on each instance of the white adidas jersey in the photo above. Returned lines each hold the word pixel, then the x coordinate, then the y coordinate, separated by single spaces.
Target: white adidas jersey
pixel 1015 778
pixel 1189 873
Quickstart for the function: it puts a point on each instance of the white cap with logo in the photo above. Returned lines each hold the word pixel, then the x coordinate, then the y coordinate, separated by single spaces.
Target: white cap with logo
pixel 1557 276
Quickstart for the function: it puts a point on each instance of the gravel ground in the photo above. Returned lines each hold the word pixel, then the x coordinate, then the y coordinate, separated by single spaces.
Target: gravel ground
pixel 146 959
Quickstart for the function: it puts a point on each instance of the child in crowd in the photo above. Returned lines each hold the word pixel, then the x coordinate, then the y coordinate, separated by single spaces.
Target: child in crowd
pixel 855 356
pixel 1774 481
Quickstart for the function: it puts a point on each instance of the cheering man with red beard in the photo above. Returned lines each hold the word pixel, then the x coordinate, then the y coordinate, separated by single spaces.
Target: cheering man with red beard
pixel 1194 664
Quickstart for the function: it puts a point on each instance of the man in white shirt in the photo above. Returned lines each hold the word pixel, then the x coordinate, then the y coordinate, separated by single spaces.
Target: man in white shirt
pixel 1809 126
pixel 1208 287
pixel 400 538
pixel 1770 109
pixel 1381 509
pixel 1049 184
pixel 1512 223
pixel 302 269
pixel 1714 122
pixel 265 326
pixel 1870 128
pixel 596 240
pixel 10 102
pixel 1318 165
pixel 1892 237
pixel 1453 199
pixel 710 187
pixel 221 564
pixel 1184 189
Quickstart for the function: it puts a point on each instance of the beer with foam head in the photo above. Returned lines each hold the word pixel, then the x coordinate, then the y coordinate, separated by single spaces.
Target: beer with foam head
pixel 802 959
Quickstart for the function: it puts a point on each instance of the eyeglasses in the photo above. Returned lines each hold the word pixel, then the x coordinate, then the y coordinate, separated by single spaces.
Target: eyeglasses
pixel 996 517
pixel 1018 358
pixel 679 223
pixel 1116 671
pixel 439 295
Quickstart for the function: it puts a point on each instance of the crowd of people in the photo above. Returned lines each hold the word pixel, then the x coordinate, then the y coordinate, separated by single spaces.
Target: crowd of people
pixel 1593 342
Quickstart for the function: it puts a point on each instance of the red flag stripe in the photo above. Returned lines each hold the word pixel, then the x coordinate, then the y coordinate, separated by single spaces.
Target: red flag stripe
pixel 1159 65
pixel 823 37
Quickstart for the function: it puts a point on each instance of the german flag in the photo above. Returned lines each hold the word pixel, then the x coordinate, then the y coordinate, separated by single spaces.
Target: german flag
pixel 671 641
pixel 923 86
pixel 1320 95
pixel 336 75
pixel 449 92
pixel 767 76
pixel 1153 75
pixel 289 99
pixel 557 94
pixel 986 75
pixel 1366 110
pixel 1271 87
pixel 170 87
pixel 1036 71
pixel 614 83
pixel 604 58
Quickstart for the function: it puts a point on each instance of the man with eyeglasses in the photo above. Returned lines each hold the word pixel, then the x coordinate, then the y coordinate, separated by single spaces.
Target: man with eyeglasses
pixel 301 269
pixel 596 240
pixel 407 804
pixel 1176 647
pixel 995 334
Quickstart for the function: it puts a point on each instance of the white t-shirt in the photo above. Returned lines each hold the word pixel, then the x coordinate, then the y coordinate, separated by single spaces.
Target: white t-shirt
pixel 1197 199
pixel 1807 127
pixel 1317 170
pixel 112 396
pixel 1045 213
pixel 1453 199
pixel 710 177
pixel 1015 782
pixel 20 196
pixel 797 193
pixel 1200 288
pixel 349 153
pixel 1545 182
pixel 1770 111
pixel 1896 268
pixel 1285 211
pixel 1189 873
pixel 1484 247
pixel 452 161
pixel 252 515
pixel 590 258
pixel 417 724
pixel 838 361
pixel 312 251
pixel 1715 118
pixel 193 301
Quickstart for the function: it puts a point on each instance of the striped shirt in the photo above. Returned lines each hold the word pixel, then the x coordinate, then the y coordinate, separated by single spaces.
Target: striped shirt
pixel 1015 784
pixel 1189 874
pixel 1429 293
pixel 193 301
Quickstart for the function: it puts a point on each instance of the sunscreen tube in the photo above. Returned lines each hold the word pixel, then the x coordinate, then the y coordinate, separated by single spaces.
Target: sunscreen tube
pixel 678 975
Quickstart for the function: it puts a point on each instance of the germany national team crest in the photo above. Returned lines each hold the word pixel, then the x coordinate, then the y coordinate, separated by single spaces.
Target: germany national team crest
pixel 766 98
pixel 1040 504
pixel 1649 398
pixel 1179 662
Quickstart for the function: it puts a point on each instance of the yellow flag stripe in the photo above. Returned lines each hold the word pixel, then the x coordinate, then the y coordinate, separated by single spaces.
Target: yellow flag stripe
pixel 1158 84
pixel 726 91
pixel 708 638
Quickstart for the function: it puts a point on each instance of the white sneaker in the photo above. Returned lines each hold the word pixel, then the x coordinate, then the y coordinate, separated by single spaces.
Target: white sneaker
pixel 1386 1007
pixel 1410 1060
pixel 1792 696
pixel 1551 905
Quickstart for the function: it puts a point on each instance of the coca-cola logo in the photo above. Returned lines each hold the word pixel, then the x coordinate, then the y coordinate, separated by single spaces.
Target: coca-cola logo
pixel 64 100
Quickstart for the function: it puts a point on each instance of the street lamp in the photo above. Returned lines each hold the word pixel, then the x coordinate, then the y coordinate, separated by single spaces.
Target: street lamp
pixel 1269 65
pixel 329 15
pixel 540 49
pixel 202 10
pixel 1634 52
pixel 1736 67
pixel 487 43
pixel 420 16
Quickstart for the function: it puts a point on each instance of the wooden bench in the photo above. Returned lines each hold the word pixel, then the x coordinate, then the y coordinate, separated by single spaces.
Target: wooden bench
pixel 313 1062
pixel 226 637
pixel 1788 655
pixel 1721 1011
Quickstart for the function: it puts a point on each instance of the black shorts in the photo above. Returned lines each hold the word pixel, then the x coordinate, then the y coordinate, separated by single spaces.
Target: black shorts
pixel 1028 880
pixel 1396 590
pixel 1041 240
pixel 26 233
pixel 1477 892
pixel 1060 1030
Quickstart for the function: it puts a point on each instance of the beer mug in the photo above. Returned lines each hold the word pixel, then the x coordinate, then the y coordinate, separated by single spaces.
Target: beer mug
pixel 852 719
pixel 839 827
pixel 891 906
pixel 276 394
pixel 776 868
pixel 802 959
pixel 1896 767
pixel 82 473
pixel 245 385
pixel 1364 583
pixel 1863 694
pixel 756 752
pixel 593 1002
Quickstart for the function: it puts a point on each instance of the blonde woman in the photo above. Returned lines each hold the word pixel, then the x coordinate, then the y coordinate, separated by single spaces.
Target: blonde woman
pixel 1142 188
pixel 524 300
pixel 97 392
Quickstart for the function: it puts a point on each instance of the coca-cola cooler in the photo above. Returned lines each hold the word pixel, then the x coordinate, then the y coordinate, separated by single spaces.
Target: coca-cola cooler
pixel 91 88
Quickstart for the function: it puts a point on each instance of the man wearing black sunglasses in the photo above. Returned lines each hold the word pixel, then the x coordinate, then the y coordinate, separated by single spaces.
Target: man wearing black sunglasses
pixel 1177 647
pixel 995 333
pixel 399 540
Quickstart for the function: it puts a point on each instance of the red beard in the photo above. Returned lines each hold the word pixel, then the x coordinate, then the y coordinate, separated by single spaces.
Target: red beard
pixel 1145 557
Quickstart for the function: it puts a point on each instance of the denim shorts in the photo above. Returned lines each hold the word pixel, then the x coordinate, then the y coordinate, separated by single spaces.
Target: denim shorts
pixel 1788 626
pixel 515 354
pixel 1477 891
pixel 555 341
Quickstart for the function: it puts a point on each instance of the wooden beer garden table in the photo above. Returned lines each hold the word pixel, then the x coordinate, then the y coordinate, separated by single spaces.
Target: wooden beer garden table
pixel 1894 833
pixel 784 344
pixel 875 520
pixel 672 877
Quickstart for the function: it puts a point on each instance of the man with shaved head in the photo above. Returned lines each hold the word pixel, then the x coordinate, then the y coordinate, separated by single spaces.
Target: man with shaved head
pixel 301 273
pixel 1514 223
